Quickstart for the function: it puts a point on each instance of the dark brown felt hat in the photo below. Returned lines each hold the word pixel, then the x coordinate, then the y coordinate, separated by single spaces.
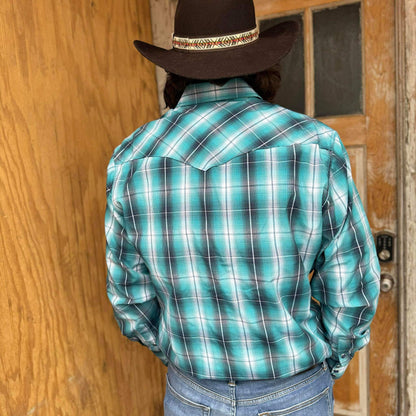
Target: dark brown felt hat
pixel 219 39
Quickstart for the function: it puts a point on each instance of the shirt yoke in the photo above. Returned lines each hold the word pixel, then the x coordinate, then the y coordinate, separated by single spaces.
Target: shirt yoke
pixel 206 135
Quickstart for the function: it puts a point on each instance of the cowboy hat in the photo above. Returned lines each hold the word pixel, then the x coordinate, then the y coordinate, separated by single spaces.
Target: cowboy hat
pixel 219 39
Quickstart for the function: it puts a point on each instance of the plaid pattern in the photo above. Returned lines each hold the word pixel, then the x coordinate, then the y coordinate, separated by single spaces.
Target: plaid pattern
pixel 217 213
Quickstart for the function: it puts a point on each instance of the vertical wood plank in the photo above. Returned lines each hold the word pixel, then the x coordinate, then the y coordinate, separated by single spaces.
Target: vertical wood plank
pixel 72 87
pixel 380 102
pixel 309 63
pixel 162 13
pixel 351 393
pixel 406 77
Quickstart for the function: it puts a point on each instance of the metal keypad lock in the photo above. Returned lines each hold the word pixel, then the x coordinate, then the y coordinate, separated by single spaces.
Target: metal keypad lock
pixel 385 246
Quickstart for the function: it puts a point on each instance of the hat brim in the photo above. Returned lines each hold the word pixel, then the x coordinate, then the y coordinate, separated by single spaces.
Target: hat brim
pixel 271 46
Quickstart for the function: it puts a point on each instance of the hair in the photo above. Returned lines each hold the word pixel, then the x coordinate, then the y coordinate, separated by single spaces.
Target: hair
pixel 265 83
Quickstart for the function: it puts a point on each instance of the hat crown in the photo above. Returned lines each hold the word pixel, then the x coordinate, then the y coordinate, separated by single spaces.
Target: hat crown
pixel 197 18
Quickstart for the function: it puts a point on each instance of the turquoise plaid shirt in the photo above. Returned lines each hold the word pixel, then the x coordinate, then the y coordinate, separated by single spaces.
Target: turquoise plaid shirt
pixel 237 245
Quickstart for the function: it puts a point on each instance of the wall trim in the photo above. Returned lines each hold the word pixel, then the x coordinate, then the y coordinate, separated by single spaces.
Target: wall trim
pixel 406 185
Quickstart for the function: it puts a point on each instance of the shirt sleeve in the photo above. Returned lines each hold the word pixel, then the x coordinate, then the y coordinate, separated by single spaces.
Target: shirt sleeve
pixel 346 281
pixel 129 287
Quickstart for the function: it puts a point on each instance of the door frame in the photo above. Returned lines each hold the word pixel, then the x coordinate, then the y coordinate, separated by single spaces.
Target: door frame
pixel 406 186
pixel 162 12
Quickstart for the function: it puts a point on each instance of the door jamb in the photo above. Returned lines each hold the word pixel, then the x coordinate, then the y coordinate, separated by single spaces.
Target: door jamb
pixel 406 178
pixel 406 185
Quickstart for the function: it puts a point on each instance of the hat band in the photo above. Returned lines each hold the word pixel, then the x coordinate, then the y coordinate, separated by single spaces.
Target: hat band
pixel 218 42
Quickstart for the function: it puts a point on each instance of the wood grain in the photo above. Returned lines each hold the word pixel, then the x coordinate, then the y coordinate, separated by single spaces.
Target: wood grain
pixel 309 63
pixel 347 389
pixel 270 8
pixel 406 78
pixel 350 390
pixel 380 107
pixel 351 129
pixel 72 86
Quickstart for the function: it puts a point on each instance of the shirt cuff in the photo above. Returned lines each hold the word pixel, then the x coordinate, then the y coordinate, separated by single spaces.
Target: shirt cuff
pixel 159 354
pixel 343 353
pixel 338 365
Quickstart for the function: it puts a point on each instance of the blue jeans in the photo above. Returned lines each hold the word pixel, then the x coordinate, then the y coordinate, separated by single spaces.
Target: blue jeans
pixel 305 394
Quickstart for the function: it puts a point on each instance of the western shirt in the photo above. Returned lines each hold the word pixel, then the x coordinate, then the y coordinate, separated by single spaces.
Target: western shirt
pixel 237 244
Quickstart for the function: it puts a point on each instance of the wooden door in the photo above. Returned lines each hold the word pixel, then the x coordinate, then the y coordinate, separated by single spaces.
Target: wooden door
pixel 342 72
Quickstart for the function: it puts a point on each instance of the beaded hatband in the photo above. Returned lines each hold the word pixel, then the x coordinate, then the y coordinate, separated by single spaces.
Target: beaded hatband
pixel 218 42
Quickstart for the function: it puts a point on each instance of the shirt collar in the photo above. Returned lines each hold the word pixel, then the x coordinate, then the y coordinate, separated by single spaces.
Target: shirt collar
pixel 204 92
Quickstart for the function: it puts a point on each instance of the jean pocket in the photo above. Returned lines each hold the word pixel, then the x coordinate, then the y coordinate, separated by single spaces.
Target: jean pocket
pixel 320 404
pixel 175 404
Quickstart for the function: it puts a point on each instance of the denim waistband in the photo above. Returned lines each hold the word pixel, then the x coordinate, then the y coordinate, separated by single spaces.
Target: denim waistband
pixel 248 391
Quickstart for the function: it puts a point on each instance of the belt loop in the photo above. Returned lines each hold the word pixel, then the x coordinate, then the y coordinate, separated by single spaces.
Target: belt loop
pixel 231 384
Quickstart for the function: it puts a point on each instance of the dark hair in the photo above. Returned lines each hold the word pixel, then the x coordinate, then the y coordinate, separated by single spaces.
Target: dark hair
pixel 265 83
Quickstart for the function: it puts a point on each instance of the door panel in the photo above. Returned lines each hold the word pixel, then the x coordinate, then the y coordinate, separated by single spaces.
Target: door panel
pixel 369 387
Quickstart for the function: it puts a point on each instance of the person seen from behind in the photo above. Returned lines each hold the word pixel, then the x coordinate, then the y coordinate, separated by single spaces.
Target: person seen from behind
pixel 238 249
